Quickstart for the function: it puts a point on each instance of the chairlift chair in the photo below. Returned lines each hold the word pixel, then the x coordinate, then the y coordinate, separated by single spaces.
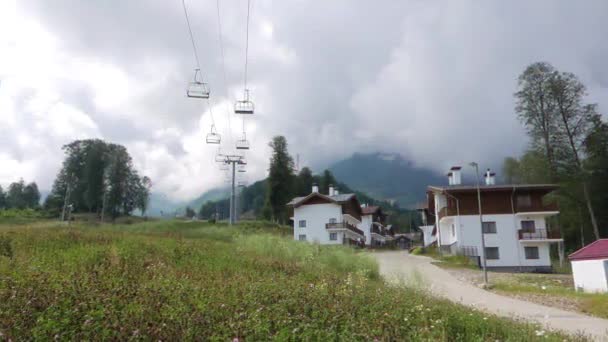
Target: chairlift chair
pixel 244 106
pixel 224 167
pixel 213 137
pixel 220 158
pixel 197 88
pixel 241 168
pixel 242 144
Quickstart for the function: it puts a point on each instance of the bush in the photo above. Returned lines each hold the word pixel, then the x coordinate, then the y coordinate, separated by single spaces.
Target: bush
pixel 417 251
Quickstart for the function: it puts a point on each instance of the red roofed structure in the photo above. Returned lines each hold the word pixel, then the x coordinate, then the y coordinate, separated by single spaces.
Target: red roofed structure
pixel 594 251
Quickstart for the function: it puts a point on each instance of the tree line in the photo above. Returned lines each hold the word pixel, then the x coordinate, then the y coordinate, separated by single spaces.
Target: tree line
pixel 569 147
pixel 267 198
pixel 98 177
pixel 20 196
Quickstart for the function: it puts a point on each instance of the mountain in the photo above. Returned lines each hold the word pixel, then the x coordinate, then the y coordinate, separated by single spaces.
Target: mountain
pixel 386 176
pixel 161 205
pixel 211 195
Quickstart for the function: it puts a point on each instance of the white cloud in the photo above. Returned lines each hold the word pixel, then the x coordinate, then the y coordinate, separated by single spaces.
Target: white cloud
pixel 432 81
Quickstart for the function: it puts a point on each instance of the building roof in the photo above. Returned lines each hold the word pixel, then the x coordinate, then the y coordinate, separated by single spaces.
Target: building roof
pixel 370 209
pixel 499 187
pixel 593 251
pixel 336 198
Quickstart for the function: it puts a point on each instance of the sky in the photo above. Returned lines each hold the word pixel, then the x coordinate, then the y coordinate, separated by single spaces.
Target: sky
pixel 430 80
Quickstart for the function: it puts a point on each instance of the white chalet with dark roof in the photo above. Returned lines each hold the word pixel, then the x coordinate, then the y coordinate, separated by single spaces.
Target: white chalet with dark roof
pixel 327 219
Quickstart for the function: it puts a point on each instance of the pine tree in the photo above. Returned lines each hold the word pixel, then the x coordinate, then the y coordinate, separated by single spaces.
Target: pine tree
pixel 280 180
pixel 2 198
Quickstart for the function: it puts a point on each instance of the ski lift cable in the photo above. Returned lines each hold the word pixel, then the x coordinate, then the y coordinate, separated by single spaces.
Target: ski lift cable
pixel 247 42
pixel 196 58
pixel 221 42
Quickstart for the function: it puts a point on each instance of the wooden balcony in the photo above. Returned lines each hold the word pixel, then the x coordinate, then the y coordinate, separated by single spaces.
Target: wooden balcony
pixel 539 234
pixel 447 211
pixel 540 207
pixel 344 225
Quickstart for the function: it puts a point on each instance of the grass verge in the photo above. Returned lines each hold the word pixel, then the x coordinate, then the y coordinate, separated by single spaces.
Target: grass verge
pixel 169 280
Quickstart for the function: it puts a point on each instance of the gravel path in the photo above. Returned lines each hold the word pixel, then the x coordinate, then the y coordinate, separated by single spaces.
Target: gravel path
pixel 399 267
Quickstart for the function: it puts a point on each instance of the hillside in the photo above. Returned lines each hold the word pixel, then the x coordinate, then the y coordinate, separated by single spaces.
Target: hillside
pixel 176 281
pixel 386 176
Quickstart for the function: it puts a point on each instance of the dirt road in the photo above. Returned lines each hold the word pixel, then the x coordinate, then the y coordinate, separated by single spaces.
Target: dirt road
pixel 400 266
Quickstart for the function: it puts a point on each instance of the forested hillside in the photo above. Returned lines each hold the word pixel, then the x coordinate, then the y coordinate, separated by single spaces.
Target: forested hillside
pixel 386 176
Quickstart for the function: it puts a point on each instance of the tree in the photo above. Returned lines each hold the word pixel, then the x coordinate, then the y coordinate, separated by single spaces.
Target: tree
pixel 280 180
pixel 100 178
pixel 536 110
pixel 550 104
pixel 2 198
pixel 326 180
pixel 596 149
pixel 14 196
pixel 304 182
pixel 190 213
pixel 576 122
pixel 31 195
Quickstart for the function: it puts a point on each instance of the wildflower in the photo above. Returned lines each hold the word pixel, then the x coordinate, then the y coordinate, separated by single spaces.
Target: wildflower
pixel 405 320
pixel 543 287
pixel 485 318
pixel 540 332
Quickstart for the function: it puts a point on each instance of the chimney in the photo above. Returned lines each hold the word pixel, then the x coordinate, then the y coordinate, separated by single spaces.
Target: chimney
pixel 336 192
pixel 331 189
pixel 450 179
pixel 490 177
pixel 315 187
pixel 456 176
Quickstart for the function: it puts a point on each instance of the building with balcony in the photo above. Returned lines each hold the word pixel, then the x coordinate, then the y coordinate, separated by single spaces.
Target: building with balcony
pixel 373 225
pixel 517 222
pixel 327 219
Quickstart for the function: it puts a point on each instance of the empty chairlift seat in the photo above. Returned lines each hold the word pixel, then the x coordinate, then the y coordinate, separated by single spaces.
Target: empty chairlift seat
pixel 197 88
pixel 244 106
pixel 242 144
pixel 213 137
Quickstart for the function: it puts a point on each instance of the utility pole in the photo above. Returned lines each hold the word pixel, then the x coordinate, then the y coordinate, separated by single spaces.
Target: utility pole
pixel 483 240
pixel 233 161
pixel 68 191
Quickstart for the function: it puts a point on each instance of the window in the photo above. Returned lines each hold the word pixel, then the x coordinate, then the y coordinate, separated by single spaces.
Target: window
pixel 453 231
pixel 528 226
pixel 333 220
pixel 489 227
pixel 302 224
pixel 492 253
pixel 333 236
pixel 531 252
pixel 524 201
pixel 302 237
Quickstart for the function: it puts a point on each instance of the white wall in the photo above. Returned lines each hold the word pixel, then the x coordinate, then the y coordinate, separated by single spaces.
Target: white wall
pixel 427 234
pixel 317 216
pixel 366 226
pixel 590 275
pixel 510 249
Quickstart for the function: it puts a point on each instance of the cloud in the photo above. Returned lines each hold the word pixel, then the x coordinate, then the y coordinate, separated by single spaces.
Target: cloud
pixel 433 81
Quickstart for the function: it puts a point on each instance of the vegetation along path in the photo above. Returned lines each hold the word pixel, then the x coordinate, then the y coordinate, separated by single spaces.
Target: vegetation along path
pixel 400 266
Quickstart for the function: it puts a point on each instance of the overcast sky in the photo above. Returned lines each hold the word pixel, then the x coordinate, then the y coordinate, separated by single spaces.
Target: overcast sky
pixel 431 80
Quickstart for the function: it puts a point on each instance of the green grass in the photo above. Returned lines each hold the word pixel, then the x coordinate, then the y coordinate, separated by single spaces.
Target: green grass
pixel 546 285
pixel 171 280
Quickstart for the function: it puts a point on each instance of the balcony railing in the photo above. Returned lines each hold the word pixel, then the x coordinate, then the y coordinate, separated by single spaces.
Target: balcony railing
pixel 343 225
pixel 447 211
pixel 523 208
pixel 539 234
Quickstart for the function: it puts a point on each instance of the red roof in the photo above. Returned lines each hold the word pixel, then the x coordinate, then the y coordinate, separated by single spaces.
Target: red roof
pixel 595 250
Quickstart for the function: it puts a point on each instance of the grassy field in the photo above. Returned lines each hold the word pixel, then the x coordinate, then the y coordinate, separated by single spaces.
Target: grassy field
pixel 548 288
pixel 170 280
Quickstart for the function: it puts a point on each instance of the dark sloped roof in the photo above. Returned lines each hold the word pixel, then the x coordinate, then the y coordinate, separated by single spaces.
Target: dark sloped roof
pixel 499 187
pixel 336 198
pixel 595 250
pixel 369 209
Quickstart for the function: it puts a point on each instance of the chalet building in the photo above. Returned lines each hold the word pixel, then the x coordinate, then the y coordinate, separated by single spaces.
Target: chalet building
pixel 327 219
pixel 516 224
pixel 373 224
